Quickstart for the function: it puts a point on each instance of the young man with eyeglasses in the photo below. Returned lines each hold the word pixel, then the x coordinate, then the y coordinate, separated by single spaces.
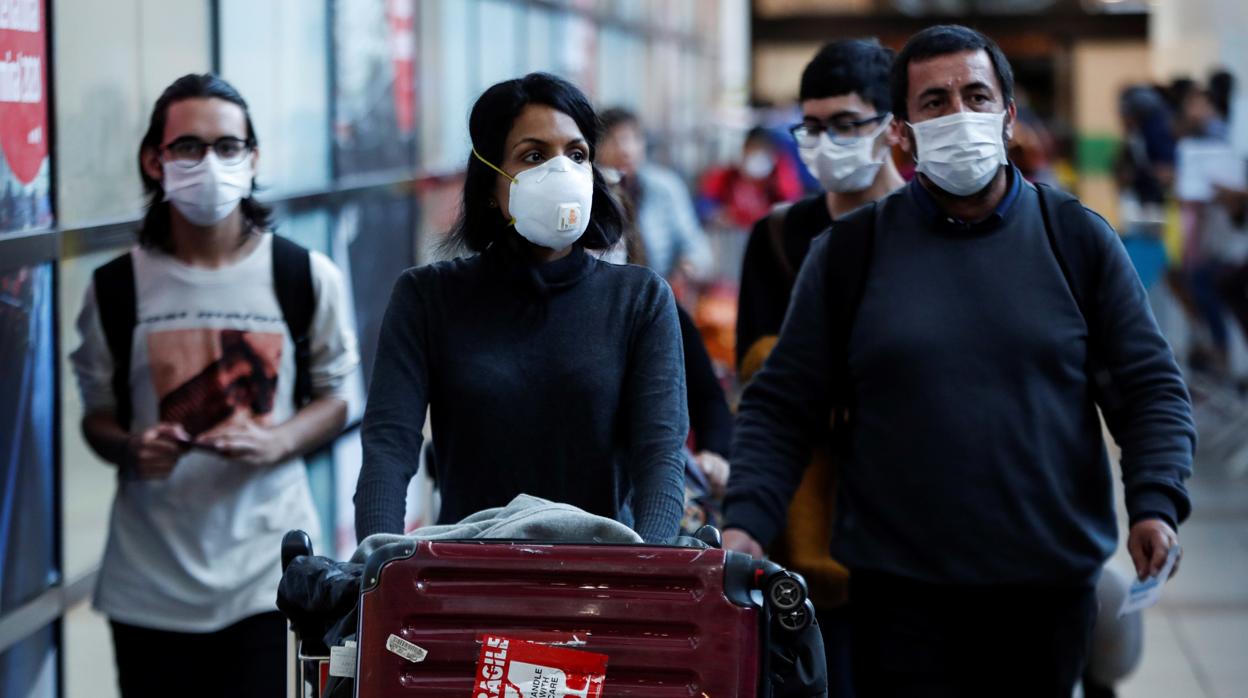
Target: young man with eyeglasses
pixel 965 330
pixel 214 355
pixel 845 140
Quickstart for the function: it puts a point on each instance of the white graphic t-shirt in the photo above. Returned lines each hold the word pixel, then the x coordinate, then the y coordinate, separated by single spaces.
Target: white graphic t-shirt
pixel 200 550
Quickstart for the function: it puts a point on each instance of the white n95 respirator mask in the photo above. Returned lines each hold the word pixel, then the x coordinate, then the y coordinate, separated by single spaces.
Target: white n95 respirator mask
pixel 550 204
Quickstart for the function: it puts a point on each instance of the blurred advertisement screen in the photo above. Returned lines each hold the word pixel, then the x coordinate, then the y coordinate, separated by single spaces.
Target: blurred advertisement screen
pixel 24 162
pixel 374 86
pixel 28 523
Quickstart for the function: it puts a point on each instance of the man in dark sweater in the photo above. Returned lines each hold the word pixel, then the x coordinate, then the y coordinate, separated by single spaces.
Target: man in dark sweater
pixel 975 507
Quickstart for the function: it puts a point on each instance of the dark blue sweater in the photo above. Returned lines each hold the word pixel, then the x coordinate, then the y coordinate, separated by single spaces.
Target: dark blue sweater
pixel 565 381
pixel 976 454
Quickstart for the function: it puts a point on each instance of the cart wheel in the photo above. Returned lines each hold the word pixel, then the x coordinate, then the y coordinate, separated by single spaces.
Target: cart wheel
pixel 785 592
pixel 798 619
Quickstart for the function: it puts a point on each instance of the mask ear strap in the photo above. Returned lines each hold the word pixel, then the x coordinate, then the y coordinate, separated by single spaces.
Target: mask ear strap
pixel 492 166
pixel 495 168
pixel 888 121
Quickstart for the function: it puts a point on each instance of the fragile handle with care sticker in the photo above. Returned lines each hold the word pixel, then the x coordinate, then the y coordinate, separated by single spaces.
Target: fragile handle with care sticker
pixel 512 668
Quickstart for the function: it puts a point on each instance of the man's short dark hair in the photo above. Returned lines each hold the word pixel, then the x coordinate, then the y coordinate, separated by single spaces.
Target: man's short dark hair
pixel 850 66
pixel 943 40
pixel 617 116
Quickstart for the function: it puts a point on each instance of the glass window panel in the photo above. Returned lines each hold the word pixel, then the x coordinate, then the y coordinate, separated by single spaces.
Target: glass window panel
pixel 29 668
pixel 613 67
pixel 308 228
pixel 105 91
pixel 578 49
pixel 274 53
pixel 374 44
pixel 499 60
pixel 537 37
pixel 377 234
pixel 448 50
pixel 374 241
pixel 28 525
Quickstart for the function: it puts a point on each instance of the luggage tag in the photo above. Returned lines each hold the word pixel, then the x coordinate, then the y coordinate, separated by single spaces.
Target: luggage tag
pixel 1143 594
pixel 342 660
pixel 511 668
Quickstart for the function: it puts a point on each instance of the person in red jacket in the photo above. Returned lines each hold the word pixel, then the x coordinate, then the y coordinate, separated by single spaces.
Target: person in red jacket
pixel 737 195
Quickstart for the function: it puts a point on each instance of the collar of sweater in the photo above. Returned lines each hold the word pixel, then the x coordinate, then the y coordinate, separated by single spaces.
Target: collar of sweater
pixel 546 277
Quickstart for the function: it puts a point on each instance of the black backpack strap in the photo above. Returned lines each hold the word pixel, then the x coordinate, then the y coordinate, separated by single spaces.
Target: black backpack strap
pixel 1073 239
pixel 117 303
pixel 292 283
pixel 849 250
pixel 775 235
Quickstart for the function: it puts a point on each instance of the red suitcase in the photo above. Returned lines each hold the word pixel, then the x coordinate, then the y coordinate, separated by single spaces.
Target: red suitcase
pixel 672 621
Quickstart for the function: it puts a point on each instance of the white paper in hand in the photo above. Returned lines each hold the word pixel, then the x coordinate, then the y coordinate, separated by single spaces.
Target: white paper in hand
pixel 1147 593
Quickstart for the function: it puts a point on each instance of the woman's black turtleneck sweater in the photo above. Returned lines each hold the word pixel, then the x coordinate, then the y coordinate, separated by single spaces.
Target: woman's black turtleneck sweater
pixel 563 380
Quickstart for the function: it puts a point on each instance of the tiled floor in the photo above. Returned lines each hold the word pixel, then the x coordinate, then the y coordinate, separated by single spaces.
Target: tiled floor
pixel 1196 639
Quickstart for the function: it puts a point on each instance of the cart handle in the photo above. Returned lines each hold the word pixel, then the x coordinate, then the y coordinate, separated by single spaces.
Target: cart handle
pixel 294 544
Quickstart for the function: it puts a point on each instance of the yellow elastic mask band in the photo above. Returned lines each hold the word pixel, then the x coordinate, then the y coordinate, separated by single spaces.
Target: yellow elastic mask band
pixel 492 166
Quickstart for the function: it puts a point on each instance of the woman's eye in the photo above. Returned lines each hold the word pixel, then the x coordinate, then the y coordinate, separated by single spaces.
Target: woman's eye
pixel 578 156
pixel 532 156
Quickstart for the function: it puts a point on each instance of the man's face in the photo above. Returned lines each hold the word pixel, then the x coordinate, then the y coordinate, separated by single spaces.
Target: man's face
pixel 953 83
pixel 622 148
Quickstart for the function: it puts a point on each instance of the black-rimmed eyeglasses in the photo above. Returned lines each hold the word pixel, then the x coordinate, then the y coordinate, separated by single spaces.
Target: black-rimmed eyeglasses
pixel 188 151
pixel 839 130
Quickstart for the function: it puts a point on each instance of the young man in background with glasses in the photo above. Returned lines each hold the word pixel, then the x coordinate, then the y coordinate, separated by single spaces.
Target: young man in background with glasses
pixel 845 140
pixel 214 355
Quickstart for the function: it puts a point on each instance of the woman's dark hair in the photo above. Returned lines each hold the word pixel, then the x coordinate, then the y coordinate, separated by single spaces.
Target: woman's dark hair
pixel 850 66
pixel 942 40
pixel 154 231
pixel 480 226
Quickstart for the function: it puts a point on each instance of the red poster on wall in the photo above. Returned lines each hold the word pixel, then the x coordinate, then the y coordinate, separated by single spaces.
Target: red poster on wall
pixel 24 166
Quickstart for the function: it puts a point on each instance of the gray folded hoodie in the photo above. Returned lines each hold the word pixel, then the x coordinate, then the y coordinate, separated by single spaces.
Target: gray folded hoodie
pixel 524 518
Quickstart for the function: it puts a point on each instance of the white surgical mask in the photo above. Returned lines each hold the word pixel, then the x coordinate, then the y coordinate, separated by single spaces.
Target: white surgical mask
pixel 847 166
pixel 961 152
pixel 758 165
pixel 209 190
pixel 550 204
